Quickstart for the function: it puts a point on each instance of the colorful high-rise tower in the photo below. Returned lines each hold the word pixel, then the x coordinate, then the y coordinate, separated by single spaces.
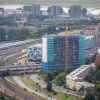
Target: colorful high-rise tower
pixel 53 53
pixel 57 54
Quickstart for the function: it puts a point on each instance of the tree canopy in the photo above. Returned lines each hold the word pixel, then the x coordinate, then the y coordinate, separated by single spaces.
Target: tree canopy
pixel 12 34
pixel 97 75
pixel 49 86
pixel 68 70
pixel 2 97
pixel 24 34
pixel 98 96
pixel 27 8
pixel 2 34
pixel 89 96
pixel 60 79
pixel 84 11
pixel 89 79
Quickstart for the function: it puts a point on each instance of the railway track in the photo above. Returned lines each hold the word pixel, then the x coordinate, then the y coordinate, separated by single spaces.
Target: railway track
pixel 8 56
pixel 8 60
pixel 11 51
pixel 17 91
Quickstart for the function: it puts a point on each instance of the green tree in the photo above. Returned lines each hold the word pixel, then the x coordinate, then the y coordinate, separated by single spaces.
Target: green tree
pixel 60 79
pixel 2 34
pixel 87 60
pixel 97 68
pixel 93 57
pixel 45 77
pixel 49 10
pixel 41 72
pixel 24 34
pixel 84 11
pixel 50 76
pixel 89 79
pixel 97 75
pixel 68 70
pixel 2 97
pixel 27 8
pixel 51 29
pixel 12 34
pixel 9 20
pixel 89 96
pixel 82 88
pixel 49 86
pixel 98 88
pixel 74 89
pixel 98 96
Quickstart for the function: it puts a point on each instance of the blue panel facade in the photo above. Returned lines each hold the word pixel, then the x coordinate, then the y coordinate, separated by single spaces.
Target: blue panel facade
pixel 76 51
pixel 59 50
pixel 55 53
pixel 73 51
pixel 44 66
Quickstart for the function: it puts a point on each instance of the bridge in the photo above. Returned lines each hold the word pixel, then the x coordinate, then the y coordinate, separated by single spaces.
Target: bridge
pixel 19 69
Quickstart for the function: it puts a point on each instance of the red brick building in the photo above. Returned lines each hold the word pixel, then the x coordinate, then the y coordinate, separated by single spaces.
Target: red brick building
pixel 97 60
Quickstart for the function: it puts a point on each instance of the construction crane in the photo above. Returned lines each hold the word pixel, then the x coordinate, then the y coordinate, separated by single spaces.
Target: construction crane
pixel 66 47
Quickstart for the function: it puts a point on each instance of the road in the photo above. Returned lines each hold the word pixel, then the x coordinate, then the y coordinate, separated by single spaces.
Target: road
pixel 39 80
pixel 17 80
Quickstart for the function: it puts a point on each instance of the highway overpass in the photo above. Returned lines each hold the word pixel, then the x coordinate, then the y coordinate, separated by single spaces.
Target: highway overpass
pixel 19 69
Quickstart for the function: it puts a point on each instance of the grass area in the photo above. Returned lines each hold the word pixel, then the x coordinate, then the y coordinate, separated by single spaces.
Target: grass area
pixel 10 79
pixel 60 95
pixel 64 96
pixel 86 3
pixel 31 81
pixel 21 78
pixel 35 84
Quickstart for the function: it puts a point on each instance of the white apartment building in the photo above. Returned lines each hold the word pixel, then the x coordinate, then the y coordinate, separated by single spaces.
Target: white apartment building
pixel 34 52
pixel 90 42
pixel 76 78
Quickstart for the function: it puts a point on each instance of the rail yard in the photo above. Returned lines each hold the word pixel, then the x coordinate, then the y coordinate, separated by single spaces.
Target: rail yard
pixel 8 54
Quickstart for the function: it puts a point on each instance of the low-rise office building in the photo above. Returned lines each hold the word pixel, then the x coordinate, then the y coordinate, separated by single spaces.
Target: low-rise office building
pixel 76 78
pixel 34 52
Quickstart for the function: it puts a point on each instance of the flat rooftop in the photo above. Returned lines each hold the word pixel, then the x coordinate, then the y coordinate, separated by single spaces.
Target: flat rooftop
pixel 38 45
pixel 75 73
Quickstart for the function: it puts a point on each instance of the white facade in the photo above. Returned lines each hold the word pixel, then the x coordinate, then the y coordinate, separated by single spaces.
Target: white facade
pixel 34 52
pixel 76 78
pixel 90 42
pixel 44 49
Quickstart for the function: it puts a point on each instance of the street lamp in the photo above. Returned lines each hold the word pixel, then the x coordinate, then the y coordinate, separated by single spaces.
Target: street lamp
pixel 24 69
pixel 5 66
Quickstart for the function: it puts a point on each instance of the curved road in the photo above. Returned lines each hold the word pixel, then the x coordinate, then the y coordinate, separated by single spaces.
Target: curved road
pixel 17 80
